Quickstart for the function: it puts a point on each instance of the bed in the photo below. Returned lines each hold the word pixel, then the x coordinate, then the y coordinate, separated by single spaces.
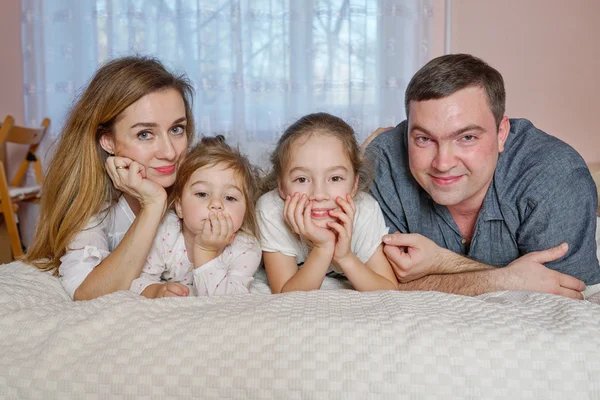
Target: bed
pixel 327 344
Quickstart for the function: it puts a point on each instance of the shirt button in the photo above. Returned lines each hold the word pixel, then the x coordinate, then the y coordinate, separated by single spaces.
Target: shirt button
pixel 463 241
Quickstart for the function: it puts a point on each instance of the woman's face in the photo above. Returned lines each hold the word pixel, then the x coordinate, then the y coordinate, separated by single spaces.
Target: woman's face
pixel 152 132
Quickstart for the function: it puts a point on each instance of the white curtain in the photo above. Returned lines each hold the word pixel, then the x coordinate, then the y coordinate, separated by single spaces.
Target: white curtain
pixel 256 65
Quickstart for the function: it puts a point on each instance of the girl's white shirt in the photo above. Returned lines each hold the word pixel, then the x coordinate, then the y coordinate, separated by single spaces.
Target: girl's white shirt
pixel 94 243
pixel 276 236
pixel 232 272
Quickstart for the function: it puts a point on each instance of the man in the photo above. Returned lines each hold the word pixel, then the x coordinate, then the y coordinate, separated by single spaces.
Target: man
pixel 470 190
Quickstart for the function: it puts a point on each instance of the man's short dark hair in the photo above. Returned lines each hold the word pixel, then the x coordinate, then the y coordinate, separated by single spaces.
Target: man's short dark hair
pixel 445 75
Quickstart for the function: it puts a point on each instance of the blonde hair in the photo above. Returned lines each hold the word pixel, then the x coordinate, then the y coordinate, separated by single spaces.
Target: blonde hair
pixel 76 186
pixel 314 124
pixel 210 152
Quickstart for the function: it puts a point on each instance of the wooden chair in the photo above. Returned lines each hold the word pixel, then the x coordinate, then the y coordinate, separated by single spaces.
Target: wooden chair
pixel 14 193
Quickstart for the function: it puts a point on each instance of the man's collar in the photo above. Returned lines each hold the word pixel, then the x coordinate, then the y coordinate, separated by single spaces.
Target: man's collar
pixel 490 210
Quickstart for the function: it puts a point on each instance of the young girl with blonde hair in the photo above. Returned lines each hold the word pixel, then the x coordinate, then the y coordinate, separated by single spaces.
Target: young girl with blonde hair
pixel 317 221
pixel 105 191
pixel 207 245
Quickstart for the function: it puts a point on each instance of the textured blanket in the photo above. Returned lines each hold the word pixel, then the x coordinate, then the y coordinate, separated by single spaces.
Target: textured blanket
pixel 327 344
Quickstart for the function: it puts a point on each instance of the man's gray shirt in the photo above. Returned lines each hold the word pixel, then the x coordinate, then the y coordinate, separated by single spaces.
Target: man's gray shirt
pixel 542 194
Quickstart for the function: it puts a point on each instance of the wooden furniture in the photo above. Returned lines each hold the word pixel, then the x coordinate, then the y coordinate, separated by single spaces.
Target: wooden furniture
pixel 13 192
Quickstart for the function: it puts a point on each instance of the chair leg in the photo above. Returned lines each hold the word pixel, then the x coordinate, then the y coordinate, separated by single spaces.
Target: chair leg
pixel 39 175
pixel 13 234
pixel 9 216
pixel 20 174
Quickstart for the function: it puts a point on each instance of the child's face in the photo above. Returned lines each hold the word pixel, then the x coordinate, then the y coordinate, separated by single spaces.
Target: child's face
pixel 320 168
pixel 215 188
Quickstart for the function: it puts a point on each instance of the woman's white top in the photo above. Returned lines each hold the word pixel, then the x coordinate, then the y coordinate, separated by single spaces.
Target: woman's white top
pixel 94 243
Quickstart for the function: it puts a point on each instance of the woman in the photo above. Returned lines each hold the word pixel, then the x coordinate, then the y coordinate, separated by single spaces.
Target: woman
pixel 105 191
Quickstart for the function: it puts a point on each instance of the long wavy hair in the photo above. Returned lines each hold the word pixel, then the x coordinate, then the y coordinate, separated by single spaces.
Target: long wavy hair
pixel 76 186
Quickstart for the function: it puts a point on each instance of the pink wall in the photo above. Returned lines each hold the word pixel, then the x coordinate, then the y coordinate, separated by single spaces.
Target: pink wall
pixel 11 78
pixel 548 53
pixel 11 102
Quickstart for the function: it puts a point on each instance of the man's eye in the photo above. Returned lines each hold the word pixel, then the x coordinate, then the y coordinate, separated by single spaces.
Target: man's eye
pixel 145 135
pixel 422 139
pixel 469 138
pixel 202 194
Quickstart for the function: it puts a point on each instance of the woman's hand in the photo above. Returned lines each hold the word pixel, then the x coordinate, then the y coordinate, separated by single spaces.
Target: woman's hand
pixel 343 228
pixel 297 212
pixel 129 177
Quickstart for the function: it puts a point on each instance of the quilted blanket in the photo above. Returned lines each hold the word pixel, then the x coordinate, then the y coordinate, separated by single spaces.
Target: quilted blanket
pixel 327 344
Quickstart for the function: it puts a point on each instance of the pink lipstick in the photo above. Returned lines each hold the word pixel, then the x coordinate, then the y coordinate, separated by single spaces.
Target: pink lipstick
pixel 167 170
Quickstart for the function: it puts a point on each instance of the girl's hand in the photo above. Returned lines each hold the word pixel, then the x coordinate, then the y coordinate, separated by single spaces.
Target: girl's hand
pixel 216 234
pixel 343 228
pixel 297 212
pixel 129 177
pixel 172 289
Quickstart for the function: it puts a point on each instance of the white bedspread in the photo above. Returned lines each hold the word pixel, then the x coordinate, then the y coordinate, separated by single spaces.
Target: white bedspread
pixel 328 344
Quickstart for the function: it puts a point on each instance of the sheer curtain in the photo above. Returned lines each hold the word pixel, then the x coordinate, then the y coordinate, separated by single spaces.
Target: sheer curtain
pixel 256 65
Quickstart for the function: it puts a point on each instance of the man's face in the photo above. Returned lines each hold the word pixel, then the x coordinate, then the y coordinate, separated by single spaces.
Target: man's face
pixel 453 147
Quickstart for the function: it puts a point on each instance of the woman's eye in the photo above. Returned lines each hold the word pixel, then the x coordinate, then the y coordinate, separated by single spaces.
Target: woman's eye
pixel 145 135
pixel 202 194
pixel 178 130
pixel 337 179
pixel 301 180
pixel 230 198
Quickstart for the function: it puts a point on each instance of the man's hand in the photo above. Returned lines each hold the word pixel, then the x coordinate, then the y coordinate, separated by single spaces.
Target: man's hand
pixel 413 256
pixel 528 273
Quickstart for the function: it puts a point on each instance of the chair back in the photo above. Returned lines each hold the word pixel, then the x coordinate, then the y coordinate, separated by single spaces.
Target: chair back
pixel 11 133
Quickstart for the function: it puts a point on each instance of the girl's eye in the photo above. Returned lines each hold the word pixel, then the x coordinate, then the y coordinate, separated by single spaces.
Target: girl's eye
pixel 337 178
pixel 301 180
pixel 202 194
pixel 178 130
pixel 145 135
pixel 230 198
